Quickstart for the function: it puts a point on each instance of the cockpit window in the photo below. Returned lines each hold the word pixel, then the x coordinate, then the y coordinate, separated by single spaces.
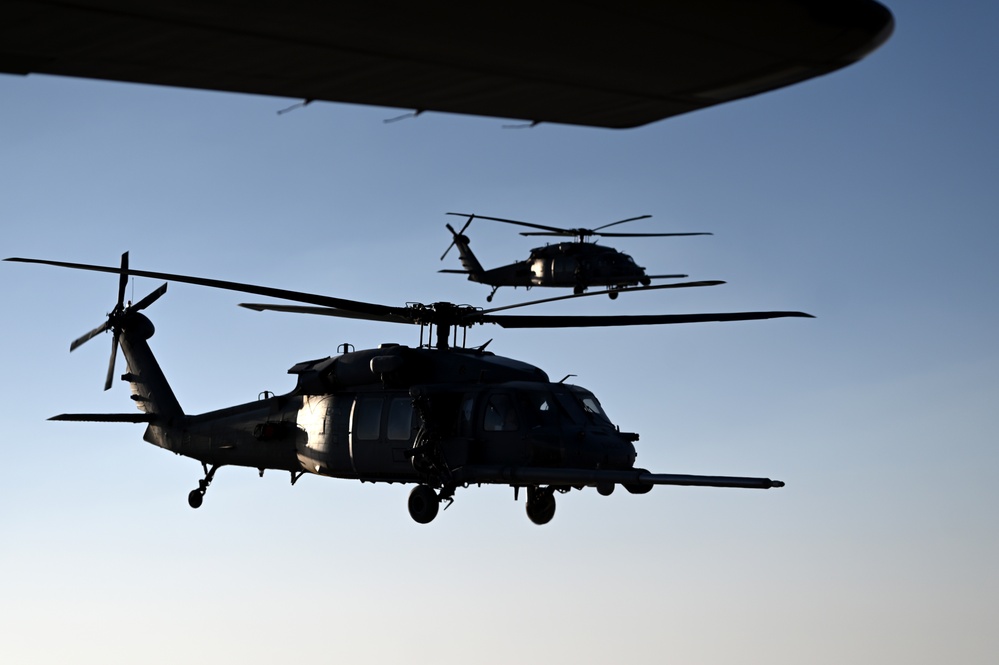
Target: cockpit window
pixel 540 408
pixel 500 416
pixel 590 405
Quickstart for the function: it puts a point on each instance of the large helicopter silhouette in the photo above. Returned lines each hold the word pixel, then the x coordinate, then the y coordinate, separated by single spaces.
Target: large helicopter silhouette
pixel 440 416
pixel 578 265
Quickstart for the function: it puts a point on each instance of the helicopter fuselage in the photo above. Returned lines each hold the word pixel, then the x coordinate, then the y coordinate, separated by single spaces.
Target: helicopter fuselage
pixel 575 265
pixel 582 264
pixel 358 416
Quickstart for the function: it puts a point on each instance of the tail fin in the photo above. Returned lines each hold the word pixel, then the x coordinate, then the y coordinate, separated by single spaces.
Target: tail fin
pixel 151 392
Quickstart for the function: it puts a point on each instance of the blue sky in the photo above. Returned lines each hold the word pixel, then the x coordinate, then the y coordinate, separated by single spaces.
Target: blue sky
pixel 867 198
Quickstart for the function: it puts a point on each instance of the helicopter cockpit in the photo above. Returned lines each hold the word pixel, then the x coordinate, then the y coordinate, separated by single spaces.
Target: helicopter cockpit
pixel 590 405
pixel 550 424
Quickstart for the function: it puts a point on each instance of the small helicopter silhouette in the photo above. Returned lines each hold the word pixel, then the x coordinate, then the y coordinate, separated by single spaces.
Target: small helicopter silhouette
pixel 439 416
pixel 577 265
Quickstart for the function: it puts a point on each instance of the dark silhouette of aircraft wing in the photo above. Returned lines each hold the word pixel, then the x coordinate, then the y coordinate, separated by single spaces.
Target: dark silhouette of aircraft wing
pixel 603 64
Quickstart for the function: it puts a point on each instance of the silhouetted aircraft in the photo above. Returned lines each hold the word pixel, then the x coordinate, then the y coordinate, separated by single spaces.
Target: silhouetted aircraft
pixel 439 416
pixel 577 265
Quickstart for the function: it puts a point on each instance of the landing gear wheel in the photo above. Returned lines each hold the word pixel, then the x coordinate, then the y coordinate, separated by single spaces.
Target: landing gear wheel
pixel 541 506
pixel 612 295
pixel 197 497
pixel 423 504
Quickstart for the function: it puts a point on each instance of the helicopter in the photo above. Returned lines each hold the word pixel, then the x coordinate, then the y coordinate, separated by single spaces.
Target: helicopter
pixel 440 415
pixel 578 264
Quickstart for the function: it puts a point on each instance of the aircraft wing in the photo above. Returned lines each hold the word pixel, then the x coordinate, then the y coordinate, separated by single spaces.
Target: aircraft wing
pixel 597 63
pixel 637 478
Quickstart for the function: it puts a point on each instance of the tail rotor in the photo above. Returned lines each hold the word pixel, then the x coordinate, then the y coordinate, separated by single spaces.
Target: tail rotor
pixel 118 317
pixel 456 234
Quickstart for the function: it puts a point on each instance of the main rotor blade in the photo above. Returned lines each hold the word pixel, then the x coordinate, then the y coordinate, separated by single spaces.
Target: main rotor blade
pixel 678 285
pixel 528 321
pixel 472 316
pixel 617 235
pixel 651 235
pixel 324 311
pixel 622 221
pixel 76 343
pixel 554 229
pixel 441 313
pixel 283 294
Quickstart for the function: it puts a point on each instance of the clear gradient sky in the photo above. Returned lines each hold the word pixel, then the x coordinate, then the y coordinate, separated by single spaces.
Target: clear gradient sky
pixel 868 198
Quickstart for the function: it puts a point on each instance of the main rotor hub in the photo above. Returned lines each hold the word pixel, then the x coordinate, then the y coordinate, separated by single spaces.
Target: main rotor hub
pixel 445 316
pixel 442 313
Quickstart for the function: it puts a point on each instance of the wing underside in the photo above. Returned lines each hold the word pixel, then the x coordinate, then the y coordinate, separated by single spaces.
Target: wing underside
pixel 602 64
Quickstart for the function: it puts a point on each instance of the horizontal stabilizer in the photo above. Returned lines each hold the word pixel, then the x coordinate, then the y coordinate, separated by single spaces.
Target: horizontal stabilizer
pixel 107 417
pixel 455 272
